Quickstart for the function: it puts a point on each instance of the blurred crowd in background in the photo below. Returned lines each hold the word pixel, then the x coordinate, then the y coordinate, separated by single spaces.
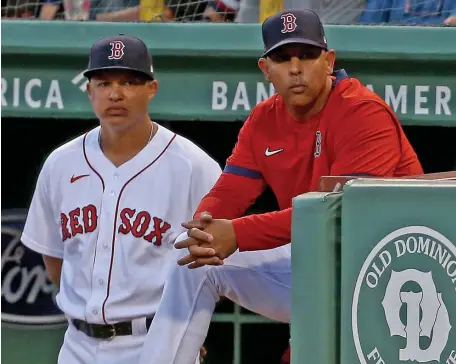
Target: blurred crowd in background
pixel 341 12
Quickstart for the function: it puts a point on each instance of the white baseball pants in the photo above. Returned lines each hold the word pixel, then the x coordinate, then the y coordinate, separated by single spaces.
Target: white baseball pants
pixel 259 281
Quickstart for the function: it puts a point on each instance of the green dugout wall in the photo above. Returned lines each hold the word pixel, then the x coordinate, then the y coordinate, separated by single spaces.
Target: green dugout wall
pixel 374 274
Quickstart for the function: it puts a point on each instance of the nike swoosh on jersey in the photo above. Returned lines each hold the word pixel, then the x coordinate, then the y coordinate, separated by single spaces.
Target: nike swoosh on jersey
pixel 268 152
pixel 75 178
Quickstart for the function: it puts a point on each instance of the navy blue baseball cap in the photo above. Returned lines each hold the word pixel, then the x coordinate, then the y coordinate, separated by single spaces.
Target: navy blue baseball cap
pixel 120 52
pixel 293 26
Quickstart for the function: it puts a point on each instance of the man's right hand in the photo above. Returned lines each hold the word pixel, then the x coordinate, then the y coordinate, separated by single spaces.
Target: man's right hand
pixel 195 231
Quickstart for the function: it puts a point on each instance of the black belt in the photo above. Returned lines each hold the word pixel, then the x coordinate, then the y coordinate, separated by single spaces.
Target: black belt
pixel 101 331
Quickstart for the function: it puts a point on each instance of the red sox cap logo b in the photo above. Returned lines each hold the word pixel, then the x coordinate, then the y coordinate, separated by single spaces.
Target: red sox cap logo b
pixel 117 49
pixel 289 22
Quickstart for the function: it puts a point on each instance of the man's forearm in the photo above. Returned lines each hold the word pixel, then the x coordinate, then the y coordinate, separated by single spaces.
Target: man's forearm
pixel 48 11
pixel 263 231
pixel 128 14
pixel 231 196
pixel 53 268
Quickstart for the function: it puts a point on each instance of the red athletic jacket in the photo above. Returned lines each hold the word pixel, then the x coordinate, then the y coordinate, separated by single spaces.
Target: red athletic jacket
pixel 355 133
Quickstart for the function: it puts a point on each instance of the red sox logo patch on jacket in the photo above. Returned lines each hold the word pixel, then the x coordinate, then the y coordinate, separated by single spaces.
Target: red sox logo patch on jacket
pixel 318 141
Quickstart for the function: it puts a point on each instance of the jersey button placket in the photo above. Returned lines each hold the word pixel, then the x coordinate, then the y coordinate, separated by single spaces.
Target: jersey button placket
pixel 115 177
pixel 114 187
pixel 100 274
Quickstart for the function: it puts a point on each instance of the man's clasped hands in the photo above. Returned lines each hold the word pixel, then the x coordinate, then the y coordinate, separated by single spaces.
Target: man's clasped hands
pixel 209 241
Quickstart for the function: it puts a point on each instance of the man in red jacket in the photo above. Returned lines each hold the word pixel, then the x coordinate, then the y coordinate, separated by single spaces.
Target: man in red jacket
pixel 319 123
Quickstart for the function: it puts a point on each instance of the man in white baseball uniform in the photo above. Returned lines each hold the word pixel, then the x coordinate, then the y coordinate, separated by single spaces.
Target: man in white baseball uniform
pixel 108 207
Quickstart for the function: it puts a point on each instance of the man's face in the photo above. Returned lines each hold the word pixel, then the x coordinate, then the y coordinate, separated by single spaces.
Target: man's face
pixel 120 98
pixel 298 72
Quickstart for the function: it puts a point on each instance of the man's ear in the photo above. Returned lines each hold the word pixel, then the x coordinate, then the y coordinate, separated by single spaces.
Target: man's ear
pixel 263 64
pixel 152 88
pixel 330 61
pixel 89 90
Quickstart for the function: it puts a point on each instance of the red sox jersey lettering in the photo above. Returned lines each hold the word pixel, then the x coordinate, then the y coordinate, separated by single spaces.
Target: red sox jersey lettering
pixel 85 220
pixel 78 221
pixel 139 225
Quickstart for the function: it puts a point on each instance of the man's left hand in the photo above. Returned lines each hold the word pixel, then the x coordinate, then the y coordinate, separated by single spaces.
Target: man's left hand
pixel 223 242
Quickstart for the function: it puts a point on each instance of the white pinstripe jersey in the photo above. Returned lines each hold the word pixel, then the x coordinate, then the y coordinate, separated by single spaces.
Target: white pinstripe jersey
pixel 114 227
